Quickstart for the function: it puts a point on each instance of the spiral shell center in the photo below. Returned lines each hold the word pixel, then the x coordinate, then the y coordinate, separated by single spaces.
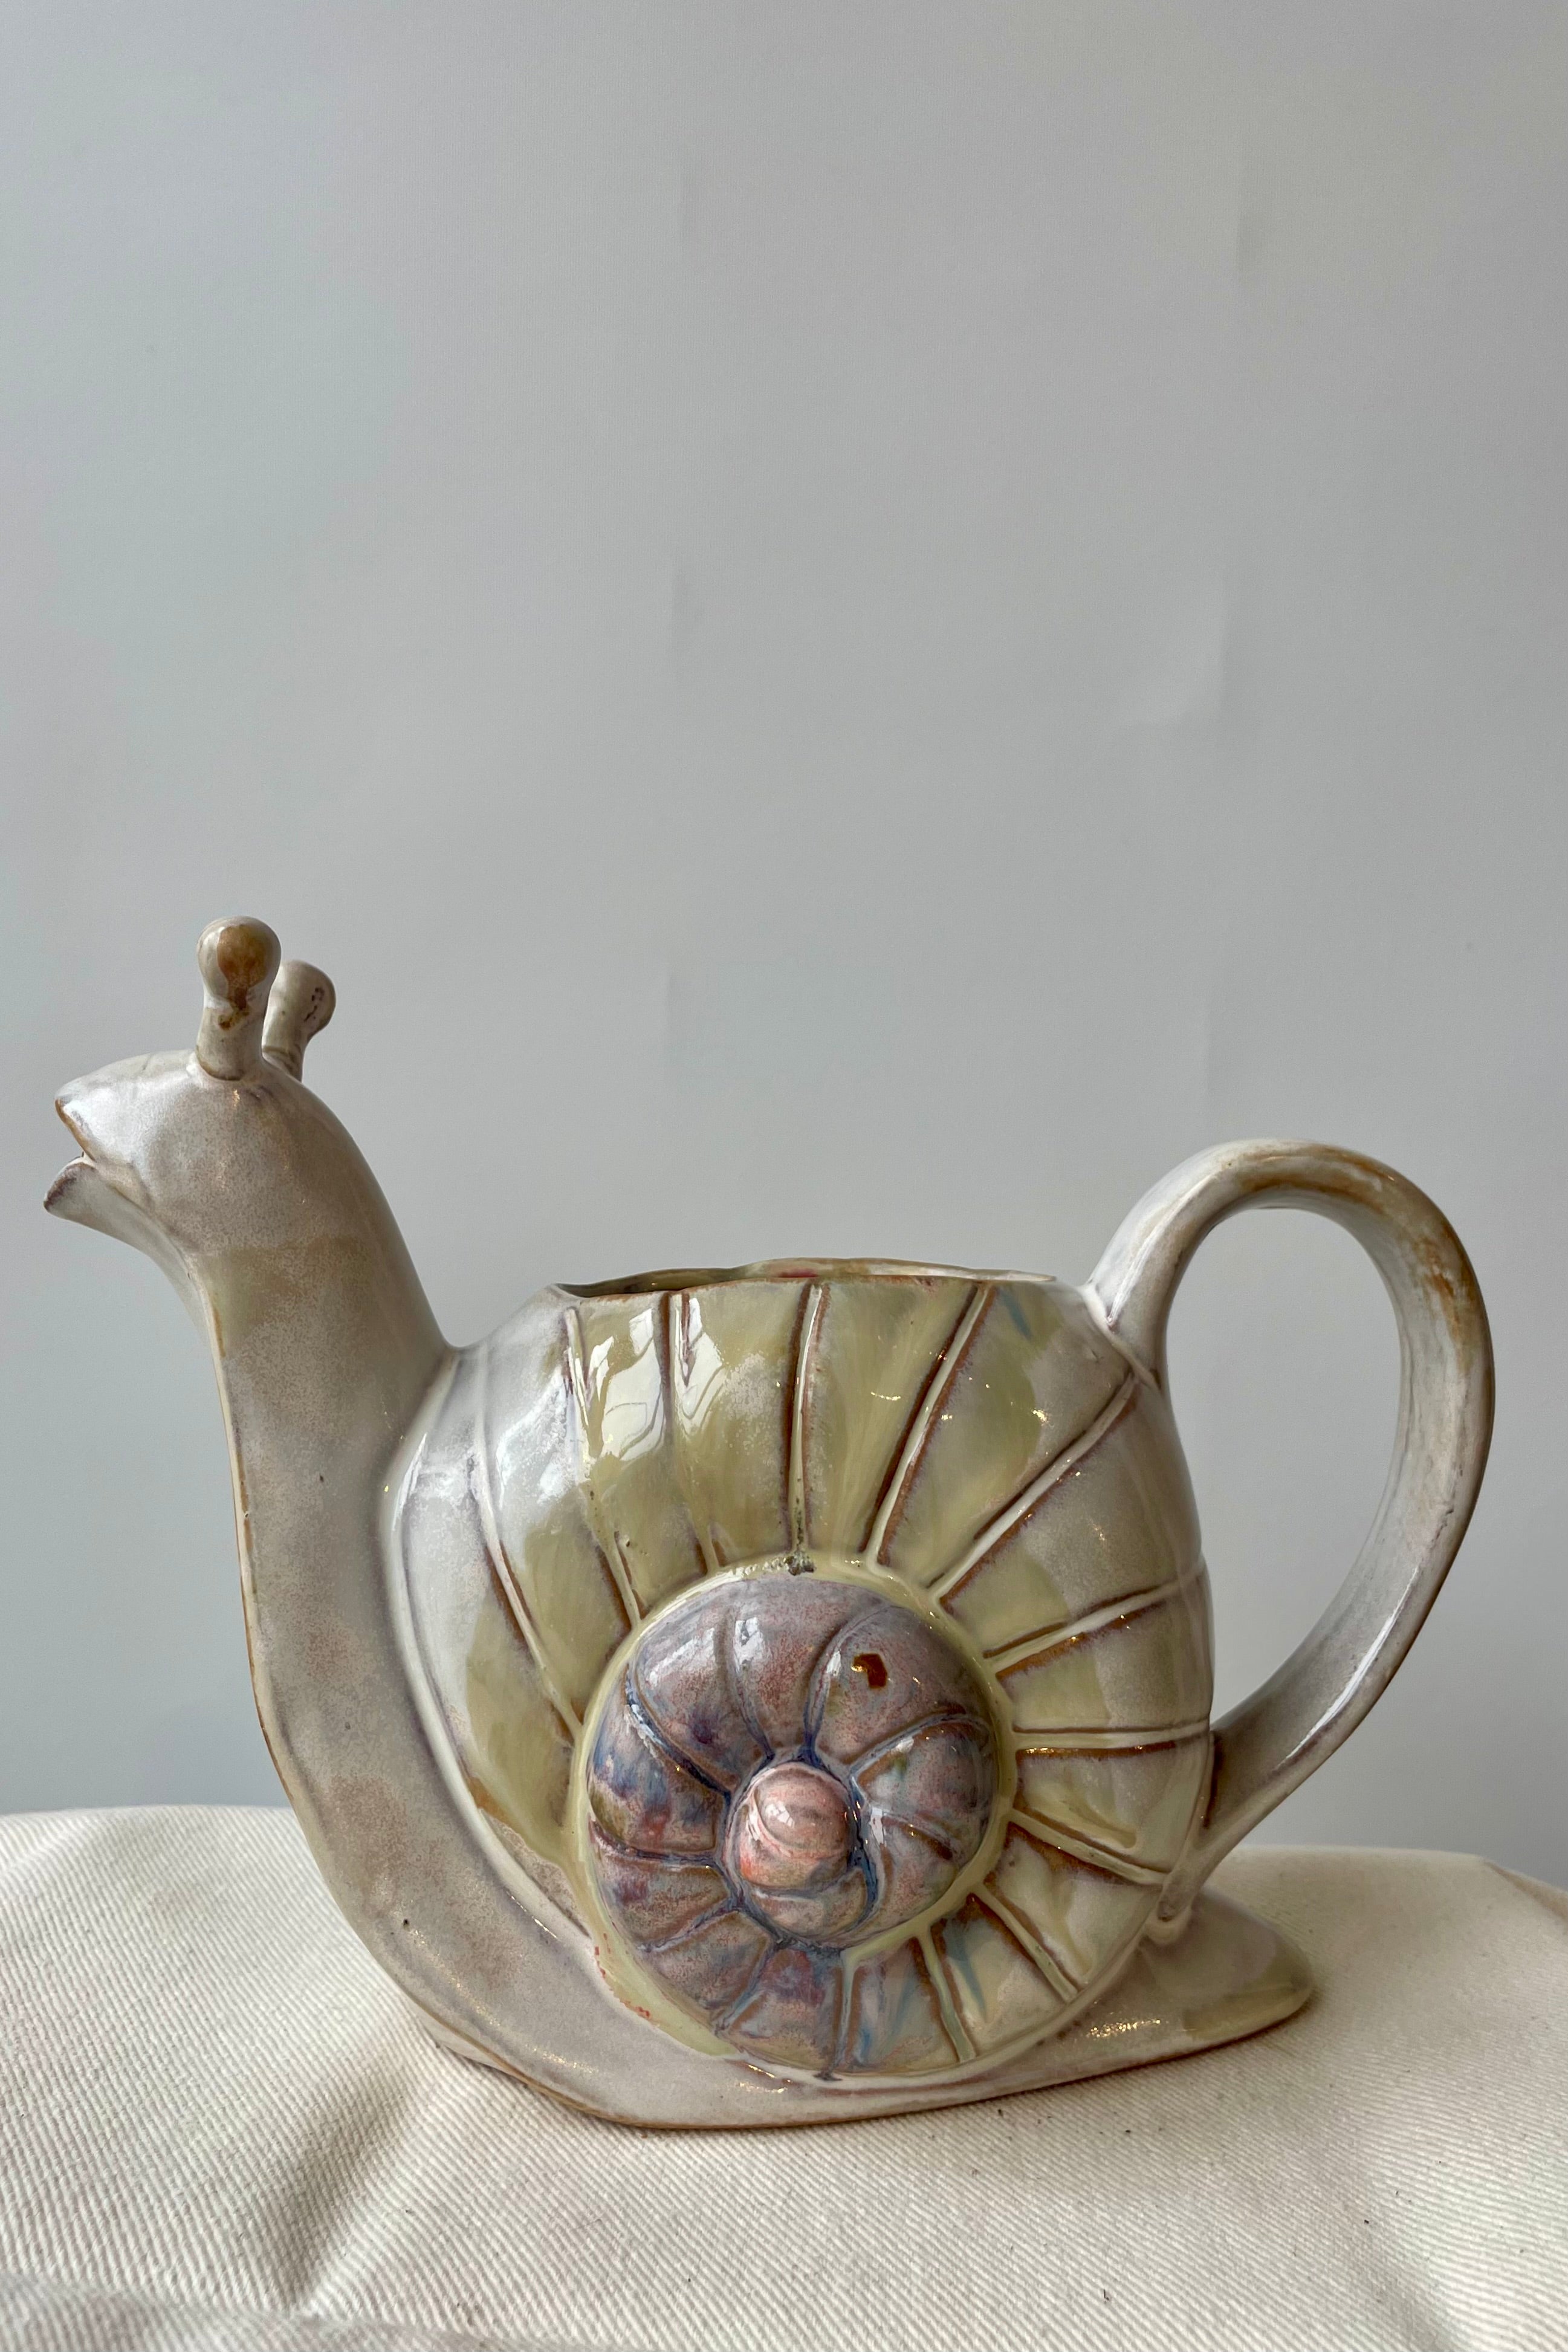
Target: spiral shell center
pixel 796 1832
pixel 786 1769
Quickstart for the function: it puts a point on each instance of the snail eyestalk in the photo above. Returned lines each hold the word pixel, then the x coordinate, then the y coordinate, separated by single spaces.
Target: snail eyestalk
pixel 237 962
pixel 302 1002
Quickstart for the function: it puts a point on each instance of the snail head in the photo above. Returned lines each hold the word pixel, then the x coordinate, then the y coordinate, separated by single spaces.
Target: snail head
pixel 192 1152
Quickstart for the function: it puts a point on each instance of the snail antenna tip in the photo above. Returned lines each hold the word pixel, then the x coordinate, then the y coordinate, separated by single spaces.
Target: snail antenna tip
pixel 237 961
pixel 302 1003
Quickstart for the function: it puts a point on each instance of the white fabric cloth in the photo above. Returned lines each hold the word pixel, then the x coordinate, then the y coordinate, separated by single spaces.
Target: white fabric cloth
pixel 221 2127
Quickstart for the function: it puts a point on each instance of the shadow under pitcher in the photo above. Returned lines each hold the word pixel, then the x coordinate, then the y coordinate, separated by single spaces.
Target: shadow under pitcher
pixel 770 1694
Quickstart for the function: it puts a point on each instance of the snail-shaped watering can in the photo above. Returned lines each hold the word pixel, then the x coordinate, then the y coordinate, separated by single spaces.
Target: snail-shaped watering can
pixel 764 1696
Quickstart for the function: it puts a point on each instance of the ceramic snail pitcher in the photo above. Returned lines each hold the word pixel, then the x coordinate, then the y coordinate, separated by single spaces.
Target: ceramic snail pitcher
pixel 763 1696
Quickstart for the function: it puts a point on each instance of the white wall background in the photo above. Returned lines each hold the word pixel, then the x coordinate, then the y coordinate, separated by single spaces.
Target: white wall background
pixel 850 629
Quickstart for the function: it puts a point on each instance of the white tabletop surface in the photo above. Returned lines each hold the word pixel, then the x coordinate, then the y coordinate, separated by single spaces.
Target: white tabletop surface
pixel 220 2126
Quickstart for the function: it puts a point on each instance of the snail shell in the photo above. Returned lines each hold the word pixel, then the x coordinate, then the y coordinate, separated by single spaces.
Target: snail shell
pixel 832 1641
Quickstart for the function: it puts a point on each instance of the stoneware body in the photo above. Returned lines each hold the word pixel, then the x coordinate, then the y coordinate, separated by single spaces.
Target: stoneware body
pixel 764 1696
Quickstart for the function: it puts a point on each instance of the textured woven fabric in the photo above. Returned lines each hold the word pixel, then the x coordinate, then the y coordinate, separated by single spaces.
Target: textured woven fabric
pixel 221 2127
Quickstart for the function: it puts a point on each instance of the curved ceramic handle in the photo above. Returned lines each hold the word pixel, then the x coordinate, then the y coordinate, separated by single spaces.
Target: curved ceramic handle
pixel 1268 1745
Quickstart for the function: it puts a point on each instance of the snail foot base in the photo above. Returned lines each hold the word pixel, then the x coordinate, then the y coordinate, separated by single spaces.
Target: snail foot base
pixel 1227 1975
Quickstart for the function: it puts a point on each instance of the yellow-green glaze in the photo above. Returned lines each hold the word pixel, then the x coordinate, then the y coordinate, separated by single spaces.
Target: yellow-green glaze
pixel 977 1449
pixel 943 1777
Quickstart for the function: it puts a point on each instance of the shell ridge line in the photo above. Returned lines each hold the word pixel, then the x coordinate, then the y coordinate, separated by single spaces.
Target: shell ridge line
pixel 1031 1943
pixel 1052 1826
pixel 631 1598
pixel 1066 1458
pixel 656 1735
pixel 940 1718
pixel 649 1854
pixel 872 1864
pixel 577 1377
pixel 676 1303
pixel 692 1928
pixel 810 1317
pixel 511 1609
pixel 1085 1850
pixel 725 2022
pixel 500 1559
pixel 735 1681
pixel 1077 1629
pixel 947 2005
pixel 605 1535
pixel 939 1846
pixel 841 2019
pixel 1089 1740
pixel 404 1571
pixel 849 1970
pixel 815 1693
pixel 664 1357
pixel 943 1371
pixel 675 1324
pixel 811 1722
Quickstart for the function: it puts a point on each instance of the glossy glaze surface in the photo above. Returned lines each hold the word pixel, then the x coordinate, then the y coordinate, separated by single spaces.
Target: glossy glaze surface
pixel 1002 1489
pixel 866 1599
pixel 788 1771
